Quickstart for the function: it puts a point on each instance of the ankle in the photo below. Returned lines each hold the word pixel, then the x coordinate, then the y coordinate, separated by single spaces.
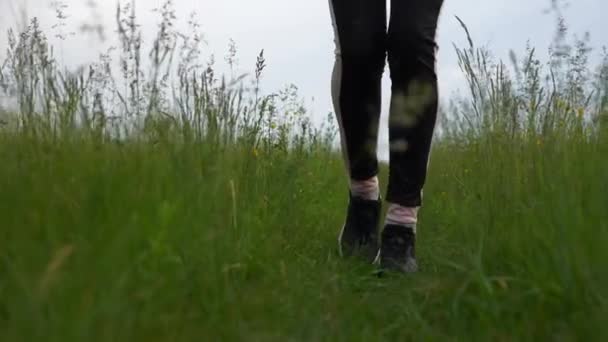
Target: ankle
pixel 399 215
pixel 368 189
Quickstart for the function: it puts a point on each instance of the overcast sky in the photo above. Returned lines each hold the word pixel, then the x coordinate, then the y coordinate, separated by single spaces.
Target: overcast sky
pixel 298 38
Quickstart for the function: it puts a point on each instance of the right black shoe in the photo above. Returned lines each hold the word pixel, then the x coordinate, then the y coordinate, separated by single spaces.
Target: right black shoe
pixel 359 236
pixel 398 249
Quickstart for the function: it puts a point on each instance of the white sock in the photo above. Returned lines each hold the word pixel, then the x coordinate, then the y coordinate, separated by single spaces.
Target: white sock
pixel 402 216
pixel 366 189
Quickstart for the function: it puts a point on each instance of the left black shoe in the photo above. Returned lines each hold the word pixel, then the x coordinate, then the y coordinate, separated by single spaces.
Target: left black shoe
pixel 398 249
pixel 359 236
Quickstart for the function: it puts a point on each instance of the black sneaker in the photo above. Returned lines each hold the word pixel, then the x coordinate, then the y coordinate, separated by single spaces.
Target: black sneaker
pixel 398 249
pixel 359 236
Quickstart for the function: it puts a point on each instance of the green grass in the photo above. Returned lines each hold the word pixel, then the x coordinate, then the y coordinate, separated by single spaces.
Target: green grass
pixel 182 241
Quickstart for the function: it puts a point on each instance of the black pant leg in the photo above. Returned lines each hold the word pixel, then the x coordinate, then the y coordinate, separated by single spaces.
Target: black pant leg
pixel 360 27
pixel 414 102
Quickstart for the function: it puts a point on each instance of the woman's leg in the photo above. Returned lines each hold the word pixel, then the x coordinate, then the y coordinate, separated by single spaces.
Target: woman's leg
pixel 413 112
pixel 360 34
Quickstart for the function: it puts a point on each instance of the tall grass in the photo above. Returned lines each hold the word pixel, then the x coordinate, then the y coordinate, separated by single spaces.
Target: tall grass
pixel 147 198
pixel 178 92
pixel 532 99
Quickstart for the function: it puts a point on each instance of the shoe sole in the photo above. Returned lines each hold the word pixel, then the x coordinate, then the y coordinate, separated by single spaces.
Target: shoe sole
pixel 340 241
pixel 376 261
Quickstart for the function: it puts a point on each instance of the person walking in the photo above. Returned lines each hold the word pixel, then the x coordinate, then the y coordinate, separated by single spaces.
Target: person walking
pixel 363 42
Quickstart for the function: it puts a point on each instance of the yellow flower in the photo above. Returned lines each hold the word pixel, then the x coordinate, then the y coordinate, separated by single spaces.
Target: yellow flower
pixel 580 112
pixel 255 152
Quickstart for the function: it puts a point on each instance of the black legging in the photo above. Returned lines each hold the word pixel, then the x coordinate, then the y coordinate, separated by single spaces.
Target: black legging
pixel 362 43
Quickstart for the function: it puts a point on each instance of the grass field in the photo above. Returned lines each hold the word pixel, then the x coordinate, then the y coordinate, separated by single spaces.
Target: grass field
pixel 180 242
pixel 171 204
